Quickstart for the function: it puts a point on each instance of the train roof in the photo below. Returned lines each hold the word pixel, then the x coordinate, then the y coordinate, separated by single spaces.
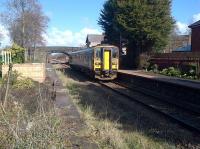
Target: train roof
pixel 81 51
pixel 104 45
pixel 91 48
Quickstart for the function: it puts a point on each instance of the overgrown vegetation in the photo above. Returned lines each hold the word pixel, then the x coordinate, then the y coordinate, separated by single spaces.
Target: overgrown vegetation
pixel 17 54
pixel 29 119
pixel 189 73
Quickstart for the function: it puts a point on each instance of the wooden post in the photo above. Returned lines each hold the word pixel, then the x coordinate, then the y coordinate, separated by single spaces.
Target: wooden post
pixel 7 86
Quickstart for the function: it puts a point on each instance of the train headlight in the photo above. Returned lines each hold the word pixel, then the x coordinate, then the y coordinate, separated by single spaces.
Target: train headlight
pixel 97 63
pixel 114 63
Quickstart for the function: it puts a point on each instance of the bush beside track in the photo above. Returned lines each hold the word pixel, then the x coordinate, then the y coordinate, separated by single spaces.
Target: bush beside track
pixel 29 119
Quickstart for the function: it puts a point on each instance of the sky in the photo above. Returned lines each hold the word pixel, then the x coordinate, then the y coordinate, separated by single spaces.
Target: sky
pixel 72 20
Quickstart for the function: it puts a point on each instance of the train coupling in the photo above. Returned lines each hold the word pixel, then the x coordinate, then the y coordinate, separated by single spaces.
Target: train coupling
pixel 107 73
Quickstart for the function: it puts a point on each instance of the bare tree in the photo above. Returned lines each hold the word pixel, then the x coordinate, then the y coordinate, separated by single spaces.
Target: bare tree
pixel 0 37
pixel 26 22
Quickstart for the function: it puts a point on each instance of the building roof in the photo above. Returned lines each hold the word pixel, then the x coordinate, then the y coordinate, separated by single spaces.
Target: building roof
pixel 183 49
pixel 196 24
pixel 94 38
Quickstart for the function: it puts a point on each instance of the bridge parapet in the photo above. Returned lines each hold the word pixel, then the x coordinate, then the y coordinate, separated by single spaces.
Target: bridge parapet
pixel 39 54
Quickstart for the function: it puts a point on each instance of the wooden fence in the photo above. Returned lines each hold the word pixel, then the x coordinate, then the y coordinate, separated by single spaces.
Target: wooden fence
pixel 177 58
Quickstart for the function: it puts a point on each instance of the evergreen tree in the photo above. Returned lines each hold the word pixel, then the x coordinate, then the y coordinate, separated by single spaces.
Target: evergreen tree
pixel 108 22
pixel 145 23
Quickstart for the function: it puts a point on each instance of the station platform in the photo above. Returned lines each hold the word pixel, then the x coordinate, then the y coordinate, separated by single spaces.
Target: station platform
pixel 67 110
pixel 174 90
pixel 173 80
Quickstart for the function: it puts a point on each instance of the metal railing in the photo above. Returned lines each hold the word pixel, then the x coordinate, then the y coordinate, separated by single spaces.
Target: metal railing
pixel 6 57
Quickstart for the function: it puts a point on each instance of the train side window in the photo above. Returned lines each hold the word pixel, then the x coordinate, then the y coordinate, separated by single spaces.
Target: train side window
pixel 114 52
pixel 98 52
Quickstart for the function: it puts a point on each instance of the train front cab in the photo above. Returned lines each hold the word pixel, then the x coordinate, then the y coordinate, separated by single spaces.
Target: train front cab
pixel 106 63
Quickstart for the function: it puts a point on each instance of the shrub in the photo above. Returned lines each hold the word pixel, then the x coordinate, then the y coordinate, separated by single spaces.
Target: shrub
pixel 23 83
pixel 17 53
pixel 164 71
pixel 18 82
pixel 144 61
pixel 173 72
pixel 13 78
pixel 192 72
pixel 152 67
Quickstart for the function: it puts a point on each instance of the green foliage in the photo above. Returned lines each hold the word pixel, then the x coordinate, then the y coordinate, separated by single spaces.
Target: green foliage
pixel 18 82
pixel 175 72
pixel 0 73
pixel 152 67
pixel 17 53
pixel 23 83
pixel 1 60
pixel 145 23
pixel 191 69
pixel 108 22
pixel 171 71
pixel 13 78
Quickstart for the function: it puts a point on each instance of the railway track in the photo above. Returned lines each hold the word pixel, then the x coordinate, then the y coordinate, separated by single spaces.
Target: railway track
pixel 186 118
pixel 60 66
pixel 183 116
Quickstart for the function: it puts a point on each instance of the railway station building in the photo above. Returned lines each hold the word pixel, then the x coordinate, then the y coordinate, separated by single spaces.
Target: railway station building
pixel 94 39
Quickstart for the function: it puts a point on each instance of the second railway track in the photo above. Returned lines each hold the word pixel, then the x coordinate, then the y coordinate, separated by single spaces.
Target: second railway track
pixel 186 118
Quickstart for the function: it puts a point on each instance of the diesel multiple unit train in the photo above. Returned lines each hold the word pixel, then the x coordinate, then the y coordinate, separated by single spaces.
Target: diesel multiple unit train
pixel 100 62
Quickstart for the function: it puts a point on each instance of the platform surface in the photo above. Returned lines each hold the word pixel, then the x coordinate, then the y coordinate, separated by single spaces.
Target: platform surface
pixel 69 113
pixel 174 80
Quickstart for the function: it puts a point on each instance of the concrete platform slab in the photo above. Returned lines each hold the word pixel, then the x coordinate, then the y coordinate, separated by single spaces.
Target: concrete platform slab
pixel 174 80
pixel 68 111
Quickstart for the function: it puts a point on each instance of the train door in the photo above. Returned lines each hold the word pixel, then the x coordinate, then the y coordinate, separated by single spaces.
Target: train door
pixel 106 59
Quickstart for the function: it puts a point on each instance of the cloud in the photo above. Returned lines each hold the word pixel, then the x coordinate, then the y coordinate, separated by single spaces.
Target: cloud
pixel 182 28
pixel 196 17
pixel 57 37
pixel 5 39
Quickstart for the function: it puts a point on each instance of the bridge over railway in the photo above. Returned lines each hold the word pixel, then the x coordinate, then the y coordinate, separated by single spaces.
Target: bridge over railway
pixel 40 54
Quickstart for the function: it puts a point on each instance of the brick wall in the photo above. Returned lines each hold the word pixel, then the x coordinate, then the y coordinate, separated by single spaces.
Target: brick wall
pixel 35 71
pixel 196 39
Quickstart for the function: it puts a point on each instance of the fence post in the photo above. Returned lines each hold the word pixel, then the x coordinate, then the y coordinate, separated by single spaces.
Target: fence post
pixel 7 85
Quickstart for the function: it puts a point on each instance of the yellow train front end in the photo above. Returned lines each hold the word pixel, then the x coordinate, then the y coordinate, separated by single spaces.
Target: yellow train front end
pixel 106 62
